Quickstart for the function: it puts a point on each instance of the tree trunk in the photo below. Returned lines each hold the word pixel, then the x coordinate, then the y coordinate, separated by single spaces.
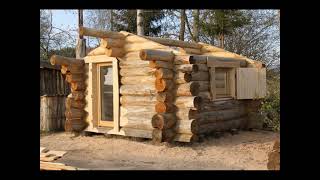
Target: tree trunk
pixel 182 24
pixel 196 25
pixel 140 25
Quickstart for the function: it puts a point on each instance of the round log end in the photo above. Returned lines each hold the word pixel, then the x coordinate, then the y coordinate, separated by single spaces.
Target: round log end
pixel 197 102
pixel 160 85
pixel 152 64
pixel 53 59
pixel 143 55
pixel 187 77
pixel 160 107
pixel 157 121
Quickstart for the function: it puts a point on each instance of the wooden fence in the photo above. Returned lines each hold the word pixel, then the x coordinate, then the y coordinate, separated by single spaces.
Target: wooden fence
pixel 53 92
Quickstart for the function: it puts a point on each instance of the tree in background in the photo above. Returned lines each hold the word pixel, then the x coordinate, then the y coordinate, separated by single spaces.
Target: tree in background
pixel 126 20
pixel 219 23
pixel 140 22
pixel 196 14
pixel 182 24
pixel 52 37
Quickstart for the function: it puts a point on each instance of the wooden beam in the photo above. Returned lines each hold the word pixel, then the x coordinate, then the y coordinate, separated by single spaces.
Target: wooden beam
pixel 171 42
pixel 84 31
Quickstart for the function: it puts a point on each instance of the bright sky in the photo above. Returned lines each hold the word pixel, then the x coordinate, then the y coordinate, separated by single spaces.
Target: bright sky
pixel 65 19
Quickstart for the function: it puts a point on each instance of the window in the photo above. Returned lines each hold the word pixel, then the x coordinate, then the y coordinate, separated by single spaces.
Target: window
pixel 224 79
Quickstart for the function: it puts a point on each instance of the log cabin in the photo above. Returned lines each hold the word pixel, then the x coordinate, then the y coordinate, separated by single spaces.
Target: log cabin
pixel 163 89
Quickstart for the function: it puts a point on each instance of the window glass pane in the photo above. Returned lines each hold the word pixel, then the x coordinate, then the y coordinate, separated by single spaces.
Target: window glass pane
pixel 106 90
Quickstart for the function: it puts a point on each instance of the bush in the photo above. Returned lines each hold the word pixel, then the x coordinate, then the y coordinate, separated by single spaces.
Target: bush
pixel 270 108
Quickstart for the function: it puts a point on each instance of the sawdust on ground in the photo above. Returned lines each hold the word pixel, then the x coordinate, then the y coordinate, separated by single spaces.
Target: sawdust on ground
pixel 247 150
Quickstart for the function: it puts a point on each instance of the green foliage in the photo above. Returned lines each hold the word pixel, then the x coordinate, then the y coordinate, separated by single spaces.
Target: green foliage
pixel 219 22
pixel 126 20
pixel 271 105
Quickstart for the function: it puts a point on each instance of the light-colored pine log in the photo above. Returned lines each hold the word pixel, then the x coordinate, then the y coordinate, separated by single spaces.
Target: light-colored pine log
pixel 190 51
pixel 162 73
pixel 182 59
pixel 138 89
pixel 209 48
pixel 143 71
pixel 164 85
pixel 188 102
pixel 111 43
pixel 129 64
pixel 132 132
pixel 71 103
pixel 64 69
pixel 163 120
pixel 188 89
pixel 186 113
pixel 156 55
pixel 137 120
pixel 162 107
pixel 165 97
pixel 186 138
pixel 187 126
pixel 130 47
pixel 138 79
pixel 134 55
pixel 115 52
pixel 186 68
pixel 84 31
pixel 161 64
pixel 60 60
pixel 98 51
pixel 171 42
pixel 138 100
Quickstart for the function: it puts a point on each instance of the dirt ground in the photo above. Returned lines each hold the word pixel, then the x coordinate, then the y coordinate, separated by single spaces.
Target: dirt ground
pixel 244 151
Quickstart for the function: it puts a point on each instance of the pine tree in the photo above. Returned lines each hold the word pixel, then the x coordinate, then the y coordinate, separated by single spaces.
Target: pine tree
pixel 222 22
pixel 126 20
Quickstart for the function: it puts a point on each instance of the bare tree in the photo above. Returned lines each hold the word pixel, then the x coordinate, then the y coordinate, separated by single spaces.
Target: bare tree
pixel 140 27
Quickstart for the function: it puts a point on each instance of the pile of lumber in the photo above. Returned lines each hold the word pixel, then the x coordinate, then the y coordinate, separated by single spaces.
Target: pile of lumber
pixel 74 70
pixel 46 158
pixel 274 157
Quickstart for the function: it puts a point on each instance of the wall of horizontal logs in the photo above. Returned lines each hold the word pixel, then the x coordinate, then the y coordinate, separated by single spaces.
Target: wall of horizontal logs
pixel 164 93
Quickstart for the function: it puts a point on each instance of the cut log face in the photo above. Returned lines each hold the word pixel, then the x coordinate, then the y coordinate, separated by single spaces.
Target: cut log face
pixel 161 64
pixel 162 73
pixel 188 89
pixel 162 107
pixel 186 68
pixel 163 84
pixel 181 78
pixel 182 59
pixel 188 102
pixel 163 120
pixel 166 135
pixel 78 86
pixel 165 97
pixel 156 55
pixel 186 113
pixel 187 126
